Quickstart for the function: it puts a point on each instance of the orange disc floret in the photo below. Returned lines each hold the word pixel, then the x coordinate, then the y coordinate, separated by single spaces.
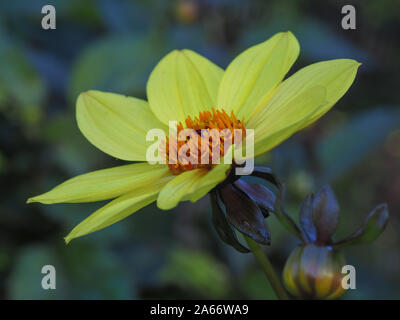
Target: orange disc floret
pixel 210 132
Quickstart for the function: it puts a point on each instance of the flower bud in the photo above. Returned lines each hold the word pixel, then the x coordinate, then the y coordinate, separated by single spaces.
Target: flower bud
pixel 314 272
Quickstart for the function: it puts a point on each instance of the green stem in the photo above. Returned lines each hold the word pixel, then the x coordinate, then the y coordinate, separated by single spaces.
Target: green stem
pixel 268 269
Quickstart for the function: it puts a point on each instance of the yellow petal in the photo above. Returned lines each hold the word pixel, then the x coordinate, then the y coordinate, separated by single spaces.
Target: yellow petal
pixel 256 72
pixel 180 186
pixel 209 181
pixel 191 185
pixel 118 209
pixel 103 184
pixel 289 110
pixel 271 133
pixel 182 84
pixel 116 124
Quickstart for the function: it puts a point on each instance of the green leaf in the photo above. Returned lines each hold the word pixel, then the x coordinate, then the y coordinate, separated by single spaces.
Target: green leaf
pixel 197 272
pixel 75 154
pixel 78 270
pixel 20 85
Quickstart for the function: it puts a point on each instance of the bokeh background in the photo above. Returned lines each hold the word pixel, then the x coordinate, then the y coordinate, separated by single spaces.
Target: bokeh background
pixel 113 46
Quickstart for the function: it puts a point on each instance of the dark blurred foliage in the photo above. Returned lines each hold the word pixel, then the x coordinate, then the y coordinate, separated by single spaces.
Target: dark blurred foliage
pixel 113 45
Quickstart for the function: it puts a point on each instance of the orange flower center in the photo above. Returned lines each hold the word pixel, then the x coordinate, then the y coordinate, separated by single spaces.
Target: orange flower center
pixel 212 132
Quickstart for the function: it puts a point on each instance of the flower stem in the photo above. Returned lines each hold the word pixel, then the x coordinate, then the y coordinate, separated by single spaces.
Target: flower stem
pixel 268 269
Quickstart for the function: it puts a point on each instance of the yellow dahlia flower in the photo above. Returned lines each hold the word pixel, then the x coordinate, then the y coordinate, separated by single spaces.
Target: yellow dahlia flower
pixel 187 88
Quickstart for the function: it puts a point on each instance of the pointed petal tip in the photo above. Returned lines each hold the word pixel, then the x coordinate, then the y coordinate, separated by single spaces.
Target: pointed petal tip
pixel 42 200
pixel 383 209
pixel 289 34
pixel 88 94
pixel 85 93
pixel 80 100
pixel 38 199
pixel 67 239
pixel 355 63
pixel 292 35
pixel 351 63
pixel 174 52
pixel 71 236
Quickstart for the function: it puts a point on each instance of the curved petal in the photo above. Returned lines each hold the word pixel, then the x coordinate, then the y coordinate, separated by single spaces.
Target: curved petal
pixel 118 209
pixel 269 136
pixel 300 100
pixel 182 84
pixel 103 184
pixel 210 180
pixel 116 124
pixel 180 186
pixel 252 75
pixel 191 185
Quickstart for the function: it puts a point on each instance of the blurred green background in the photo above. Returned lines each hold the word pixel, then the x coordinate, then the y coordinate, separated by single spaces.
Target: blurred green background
pixel 113 46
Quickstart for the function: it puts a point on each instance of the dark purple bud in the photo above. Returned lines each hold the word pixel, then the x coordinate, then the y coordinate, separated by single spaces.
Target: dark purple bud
pixel 260 194
pixel 306 219
pixel 244 214
pixel 325 214
pixel 223 228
